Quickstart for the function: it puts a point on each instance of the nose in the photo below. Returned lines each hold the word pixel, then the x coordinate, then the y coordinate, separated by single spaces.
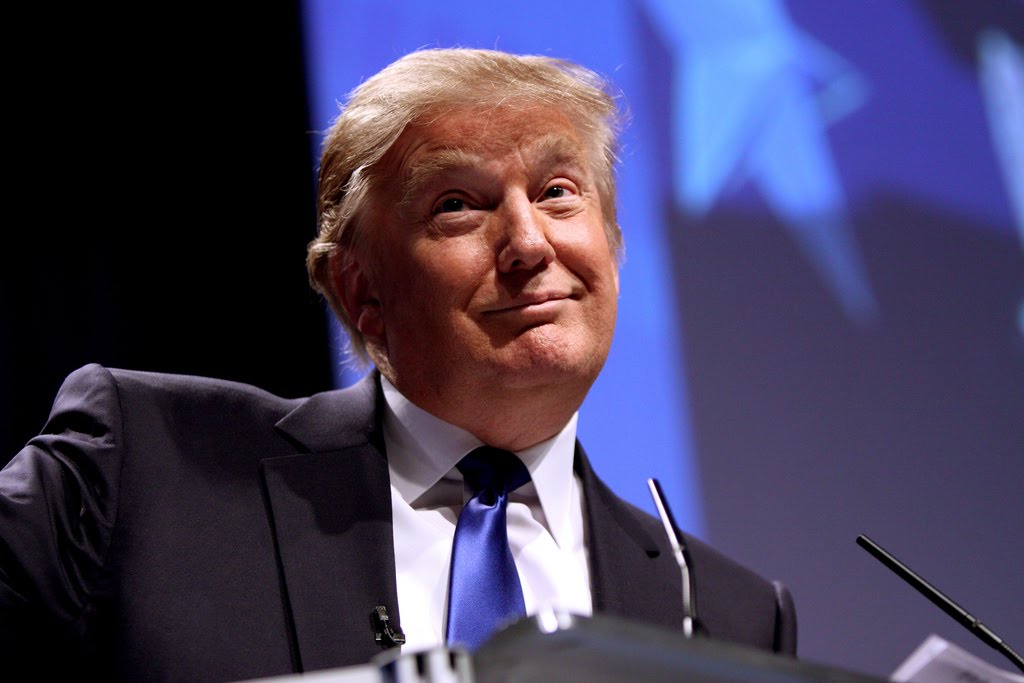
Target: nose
pixel 524 242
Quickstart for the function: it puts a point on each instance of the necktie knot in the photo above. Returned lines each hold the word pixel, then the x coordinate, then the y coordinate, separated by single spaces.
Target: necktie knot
pixel 492 472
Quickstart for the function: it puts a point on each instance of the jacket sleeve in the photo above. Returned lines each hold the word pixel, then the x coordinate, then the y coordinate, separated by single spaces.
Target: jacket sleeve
pixel 58 505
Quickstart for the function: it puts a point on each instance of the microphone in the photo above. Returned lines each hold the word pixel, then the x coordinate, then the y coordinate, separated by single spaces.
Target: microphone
pixel 675 539
pixel 384 633
pixel 984 633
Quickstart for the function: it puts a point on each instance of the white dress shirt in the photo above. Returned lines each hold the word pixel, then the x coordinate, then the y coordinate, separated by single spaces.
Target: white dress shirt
pixel 545 518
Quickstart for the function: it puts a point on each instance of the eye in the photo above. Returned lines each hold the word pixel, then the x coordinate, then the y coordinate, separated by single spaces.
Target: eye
pixel 555 192
pixel 451 205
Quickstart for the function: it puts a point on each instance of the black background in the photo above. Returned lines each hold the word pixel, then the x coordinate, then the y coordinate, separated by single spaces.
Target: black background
pixel 160 199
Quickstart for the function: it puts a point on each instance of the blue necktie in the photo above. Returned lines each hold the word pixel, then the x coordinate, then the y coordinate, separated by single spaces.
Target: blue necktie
pixel 483 589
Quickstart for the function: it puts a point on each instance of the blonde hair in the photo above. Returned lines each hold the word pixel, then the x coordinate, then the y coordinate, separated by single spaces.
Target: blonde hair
pixel 434 82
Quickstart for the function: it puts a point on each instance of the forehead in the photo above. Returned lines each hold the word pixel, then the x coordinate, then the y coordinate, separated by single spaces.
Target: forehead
pixel 473 137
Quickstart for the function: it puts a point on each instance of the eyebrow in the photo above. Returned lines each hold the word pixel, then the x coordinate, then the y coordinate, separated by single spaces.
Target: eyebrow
pixel 435 163
pixel 554 149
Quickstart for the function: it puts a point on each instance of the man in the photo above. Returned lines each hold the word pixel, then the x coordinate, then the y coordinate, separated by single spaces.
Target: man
pixel 185 528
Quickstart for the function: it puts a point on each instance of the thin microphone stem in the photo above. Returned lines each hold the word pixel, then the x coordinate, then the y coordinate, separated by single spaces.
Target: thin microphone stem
pixel 941 600
pixel 674 539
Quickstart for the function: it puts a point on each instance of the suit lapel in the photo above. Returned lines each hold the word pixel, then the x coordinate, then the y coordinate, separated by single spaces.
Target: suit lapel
pixel 632 572
pixel 331 514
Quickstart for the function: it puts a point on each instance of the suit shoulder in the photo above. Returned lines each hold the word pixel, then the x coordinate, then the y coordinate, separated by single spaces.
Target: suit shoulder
pixel 192 386
pixel 95 381
pixel 130 397
pixel 709 559
pixel 721 564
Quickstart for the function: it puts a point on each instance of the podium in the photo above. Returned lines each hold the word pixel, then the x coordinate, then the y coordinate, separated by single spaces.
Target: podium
pixel 567 649
pixel 556 647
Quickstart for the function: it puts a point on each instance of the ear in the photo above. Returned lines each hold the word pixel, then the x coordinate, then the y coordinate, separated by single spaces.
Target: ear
pixel 357 293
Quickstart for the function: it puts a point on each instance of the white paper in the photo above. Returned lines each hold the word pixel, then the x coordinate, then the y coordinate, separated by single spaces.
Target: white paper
pixel 937 660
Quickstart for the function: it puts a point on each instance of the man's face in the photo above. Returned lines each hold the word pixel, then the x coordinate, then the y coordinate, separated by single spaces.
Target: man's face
pixel 486 260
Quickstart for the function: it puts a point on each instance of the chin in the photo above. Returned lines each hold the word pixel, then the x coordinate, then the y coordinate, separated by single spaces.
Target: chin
pixel 538 358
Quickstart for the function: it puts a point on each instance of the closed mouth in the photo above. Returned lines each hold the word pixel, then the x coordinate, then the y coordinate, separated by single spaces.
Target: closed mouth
pixel 533 300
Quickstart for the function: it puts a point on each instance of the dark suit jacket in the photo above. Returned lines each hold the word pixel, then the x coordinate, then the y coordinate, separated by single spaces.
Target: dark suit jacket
pixel 182 528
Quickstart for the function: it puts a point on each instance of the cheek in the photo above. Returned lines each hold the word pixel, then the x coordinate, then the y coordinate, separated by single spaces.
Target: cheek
pixel 586 252
pixel 441 276
pixel 454 264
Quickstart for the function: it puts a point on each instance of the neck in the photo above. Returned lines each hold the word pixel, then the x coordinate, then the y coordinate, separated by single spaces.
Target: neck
pixel 513 425
pixel 509 419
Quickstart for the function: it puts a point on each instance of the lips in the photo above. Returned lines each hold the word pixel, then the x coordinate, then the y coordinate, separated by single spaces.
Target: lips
pixel 531 301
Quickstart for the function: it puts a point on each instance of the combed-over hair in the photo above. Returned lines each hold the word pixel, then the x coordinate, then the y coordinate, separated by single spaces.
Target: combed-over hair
pixel 431 83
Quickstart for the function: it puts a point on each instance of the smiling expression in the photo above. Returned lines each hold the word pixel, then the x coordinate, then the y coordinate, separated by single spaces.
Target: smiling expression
pixel 486 264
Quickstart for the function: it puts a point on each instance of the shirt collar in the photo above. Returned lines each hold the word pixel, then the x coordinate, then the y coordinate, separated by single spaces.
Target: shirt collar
pixel 423 448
